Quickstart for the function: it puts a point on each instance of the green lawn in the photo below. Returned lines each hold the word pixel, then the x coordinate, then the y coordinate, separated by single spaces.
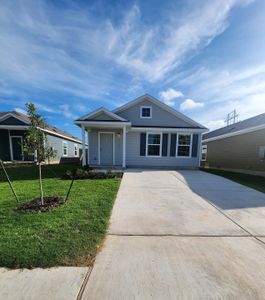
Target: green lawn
pixel 69 235
pixel 255 182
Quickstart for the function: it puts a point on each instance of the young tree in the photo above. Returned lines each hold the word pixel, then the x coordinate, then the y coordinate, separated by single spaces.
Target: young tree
pixel 36 141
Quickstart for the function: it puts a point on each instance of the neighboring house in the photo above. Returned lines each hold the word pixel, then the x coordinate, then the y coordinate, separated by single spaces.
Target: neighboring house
pixel 13 128
pixel 238 147
pixel 142 133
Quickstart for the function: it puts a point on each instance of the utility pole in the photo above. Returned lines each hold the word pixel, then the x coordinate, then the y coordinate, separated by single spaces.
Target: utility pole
pixel 231 118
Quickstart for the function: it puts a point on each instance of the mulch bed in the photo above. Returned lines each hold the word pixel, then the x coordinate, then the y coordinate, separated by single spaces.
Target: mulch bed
pixel 34 205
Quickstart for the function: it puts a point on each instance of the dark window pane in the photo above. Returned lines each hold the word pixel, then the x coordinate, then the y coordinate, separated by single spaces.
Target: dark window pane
pixel 184 139
pixel 146 112
pixel 154 139
pixel 154 150
pixel 183 150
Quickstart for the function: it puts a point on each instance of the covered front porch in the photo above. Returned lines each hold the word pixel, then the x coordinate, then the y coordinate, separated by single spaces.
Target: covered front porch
pixel 106 144
pixel 105 134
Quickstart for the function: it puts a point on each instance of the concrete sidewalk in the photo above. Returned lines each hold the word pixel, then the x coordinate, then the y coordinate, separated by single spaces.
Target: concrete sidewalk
pixel 61 283
pixel 182 235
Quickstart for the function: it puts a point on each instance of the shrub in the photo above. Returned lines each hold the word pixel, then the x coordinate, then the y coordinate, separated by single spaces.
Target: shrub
pixel 84 173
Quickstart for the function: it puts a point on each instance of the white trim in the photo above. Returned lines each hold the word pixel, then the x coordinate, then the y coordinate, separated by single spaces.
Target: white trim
pixel 113 145
pixel 124 147
pixel 169 130
pixel 14 127
pixel 190 145
pixel 161 105
pixel 199 149
pixel 141 108
pixel 203 148
pixel 75 148
pixel 147 144
pixel 83 147
pixel 102 110
pixel 12 153
pixel 65 143
pixel 243 131
pixel 102 124
pixel 88 141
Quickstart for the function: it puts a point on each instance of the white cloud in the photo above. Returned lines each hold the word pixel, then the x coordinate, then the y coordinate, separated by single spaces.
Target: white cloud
pixel 190 104
pixel 72 51
pixel 81 107
pixel 215 124
pixel 20 110
pixel 154 51
pixel 66 110
pixel 169 96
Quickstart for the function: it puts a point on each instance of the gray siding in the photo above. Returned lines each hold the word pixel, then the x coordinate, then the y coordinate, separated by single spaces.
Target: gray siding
pixel 57 144
pixel 160 117
pixel 101 117
pixel 93 145
pixel 240 152
pixel 133 157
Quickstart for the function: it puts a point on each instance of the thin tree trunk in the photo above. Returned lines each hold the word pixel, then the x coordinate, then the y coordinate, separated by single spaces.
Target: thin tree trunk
pixel 41 189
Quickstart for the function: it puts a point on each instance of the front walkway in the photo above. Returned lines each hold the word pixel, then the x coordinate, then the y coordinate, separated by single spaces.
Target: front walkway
pixel 182 235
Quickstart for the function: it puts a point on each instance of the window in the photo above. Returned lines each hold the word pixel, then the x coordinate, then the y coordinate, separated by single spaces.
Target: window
pixel 65 148
pixel 204 152
pixel 146 112
pixel 75 150
pixel 262 152
pixel 153 144
pixel 184 145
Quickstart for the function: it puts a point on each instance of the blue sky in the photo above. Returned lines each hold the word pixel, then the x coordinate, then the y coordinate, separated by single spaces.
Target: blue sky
pixel 204 58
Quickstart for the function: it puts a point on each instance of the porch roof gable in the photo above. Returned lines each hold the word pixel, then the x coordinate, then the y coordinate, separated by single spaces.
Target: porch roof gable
pixel 101 115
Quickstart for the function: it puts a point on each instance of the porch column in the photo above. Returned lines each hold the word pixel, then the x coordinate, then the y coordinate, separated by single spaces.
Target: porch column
pixel 124 147
pixel 88 141
pixel 83 146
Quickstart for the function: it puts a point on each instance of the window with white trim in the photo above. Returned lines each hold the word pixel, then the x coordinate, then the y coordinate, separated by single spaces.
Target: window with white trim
pixel 146 112
pixel 75 150
pixel 184 145
pixel 153 144
pixel 204 152
pixel 65 148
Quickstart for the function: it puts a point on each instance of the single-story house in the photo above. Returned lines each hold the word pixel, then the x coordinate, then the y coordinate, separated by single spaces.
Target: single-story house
pixel 142 133
pixel 238 147
pixel 13 128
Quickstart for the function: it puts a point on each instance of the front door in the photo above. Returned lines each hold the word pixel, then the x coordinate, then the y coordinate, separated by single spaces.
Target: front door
pixel 106 149
pixel 16 143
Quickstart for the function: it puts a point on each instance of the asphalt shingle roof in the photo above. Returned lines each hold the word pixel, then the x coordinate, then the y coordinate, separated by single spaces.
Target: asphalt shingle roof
pixel 248 123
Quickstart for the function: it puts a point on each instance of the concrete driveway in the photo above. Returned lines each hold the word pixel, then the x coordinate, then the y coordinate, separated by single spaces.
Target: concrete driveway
pixel 182 235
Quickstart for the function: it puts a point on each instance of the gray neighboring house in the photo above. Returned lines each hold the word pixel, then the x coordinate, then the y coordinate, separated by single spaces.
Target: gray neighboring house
pixel 142 133
pixel 238 147
pixel 13 127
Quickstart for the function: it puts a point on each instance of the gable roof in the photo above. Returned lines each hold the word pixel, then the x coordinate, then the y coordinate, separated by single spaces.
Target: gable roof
pixel 49 129
pixel 161 105
pixel 251 124
pixel 100 111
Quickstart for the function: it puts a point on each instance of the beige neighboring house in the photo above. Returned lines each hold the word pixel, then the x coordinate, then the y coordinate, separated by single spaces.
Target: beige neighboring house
pixel 238 147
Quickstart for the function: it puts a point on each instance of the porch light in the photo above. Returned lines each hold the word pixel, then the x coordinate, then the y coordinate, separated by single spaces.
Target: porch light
pixel 118 135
